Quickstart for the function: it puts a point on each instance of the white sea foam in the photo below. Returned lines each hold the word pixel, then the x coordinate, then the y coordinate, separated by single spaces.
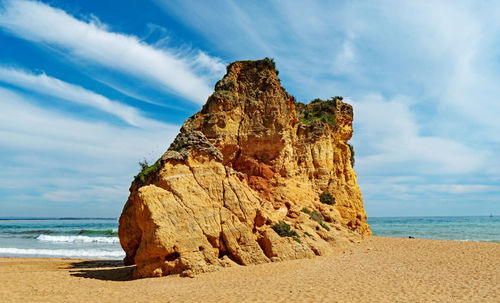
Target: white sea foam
pixel 80 239
pixel 64 253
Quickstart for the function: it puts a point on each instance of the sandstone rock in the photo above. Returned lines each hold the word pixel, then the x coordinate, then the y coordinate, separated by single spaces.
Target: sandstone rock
pixel 252 157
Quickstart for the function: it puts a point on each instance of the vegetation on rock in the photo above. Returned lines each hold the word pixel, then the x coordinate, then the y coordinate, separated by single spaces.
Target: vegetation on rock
pixel 351 147
pixel 316 216
pixel 327 198
pixel 284 230
pixel 268 62
pixel 318 110
pixel 147 170
pixel 322 224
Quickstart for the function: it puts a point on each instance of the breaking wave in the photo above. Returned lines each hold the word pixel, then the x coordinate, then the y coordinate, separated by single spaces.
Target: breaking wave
pixel 64 253
pixel 79 239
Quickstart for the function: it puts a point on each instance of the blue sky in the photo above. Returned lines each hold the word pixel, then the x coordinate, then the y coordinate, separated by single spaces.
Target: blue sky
pixel 89 88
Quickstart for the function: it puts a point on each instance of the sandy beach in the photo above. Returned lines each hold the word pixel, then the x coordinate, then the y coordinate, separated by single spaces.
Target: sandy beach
pixel 375 270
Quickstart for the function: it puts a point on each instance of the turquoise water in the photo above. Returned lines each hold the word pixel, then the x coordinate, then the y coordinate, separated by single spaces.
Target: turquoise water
pixel 98 239
pixel 443 228
pixel 60 238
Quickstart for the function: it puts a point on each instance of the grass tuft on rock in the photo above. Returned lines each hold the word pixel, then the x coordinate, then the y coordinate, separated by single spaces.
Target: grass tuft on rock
pixel 147 170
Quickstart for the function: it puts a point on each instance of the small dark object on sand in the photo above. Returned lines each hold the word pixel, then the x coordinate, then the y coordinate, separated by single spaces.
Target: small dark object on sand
pixel 411 237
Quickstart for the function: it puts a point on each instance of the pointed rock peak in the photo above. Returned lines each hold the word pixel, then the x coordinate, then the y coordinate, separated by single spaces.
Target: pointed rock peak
pixel 249 77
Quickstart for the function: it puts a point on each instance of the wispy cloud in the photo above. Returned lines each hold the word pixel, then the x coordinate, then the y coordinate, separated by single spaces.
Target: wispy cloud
pixel 31 127
pixel 50 156
pixel 423 76
pixel 100 194
pixel 392 141
pixel 231 24
pixel 91 41
pixel 53 87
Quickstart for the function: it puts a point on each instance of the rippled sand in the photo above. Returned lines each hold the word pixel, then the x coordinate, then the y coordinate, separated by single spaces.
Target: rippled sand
pixel 376 270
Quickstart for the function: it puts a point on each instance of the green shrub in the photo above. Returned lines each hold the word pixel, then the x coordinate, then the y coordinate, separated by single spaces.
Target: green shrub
pixel 269 62
pixel 307 234
pixel 147 170
pixel 284 230
pixel 318 110
pixel 327 198
pixel 328 118
pixel 324 226
pixel 305 210
pixel 143 164
pixel 351 147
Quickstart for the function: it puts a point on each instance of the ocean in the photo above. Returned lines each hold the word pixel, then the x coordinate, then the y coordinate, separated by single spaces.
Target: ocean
pixel 481 228
pixel 98 238
pixel 60 238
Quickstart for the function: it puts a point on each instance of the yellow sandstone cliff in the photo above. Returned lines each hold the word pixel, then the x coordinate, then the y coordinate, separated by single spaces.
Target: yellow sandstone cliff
pixel 253 177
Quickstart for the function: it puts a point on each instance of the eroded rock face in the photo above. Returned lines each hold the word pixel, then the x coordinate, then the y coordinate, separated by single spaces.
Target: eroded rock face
pixel 250 159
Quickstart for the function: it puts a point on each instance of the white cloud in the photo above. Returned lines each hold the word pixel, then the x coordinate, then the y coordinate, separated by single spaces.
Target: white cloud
pixel 460 189
pixel 94 43
pixel 100 194
pixel 344 58
pixel 30 127
pixel 210 65
pixel 229 24
pixel 434 63
pixel 389 132
pixel 53 87
pixel 49 156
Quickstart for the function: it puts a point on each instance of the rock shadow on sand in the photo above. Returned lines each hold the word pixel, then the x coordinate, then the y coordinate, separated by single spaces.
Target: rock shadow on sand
pixel 108 270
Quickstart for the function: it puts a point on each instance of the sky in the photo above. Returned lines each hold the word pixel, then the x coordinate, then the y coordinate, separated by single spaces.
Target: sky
pixel 90 88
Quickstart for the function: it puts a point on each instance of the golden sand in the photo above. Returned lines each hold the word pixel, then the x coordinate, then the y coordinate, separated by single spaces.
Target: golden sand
pixel 376 270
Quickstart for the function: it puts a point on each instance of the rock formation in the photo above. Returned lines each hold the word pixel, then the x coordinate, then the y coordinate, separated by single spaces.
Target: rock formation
pixel 254 177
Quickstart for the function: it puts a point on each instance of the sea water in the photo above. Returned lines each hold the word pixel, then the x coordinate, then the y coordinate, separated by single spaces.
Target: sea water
pixel 98 238
pixel 484 228
pixel 60 238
